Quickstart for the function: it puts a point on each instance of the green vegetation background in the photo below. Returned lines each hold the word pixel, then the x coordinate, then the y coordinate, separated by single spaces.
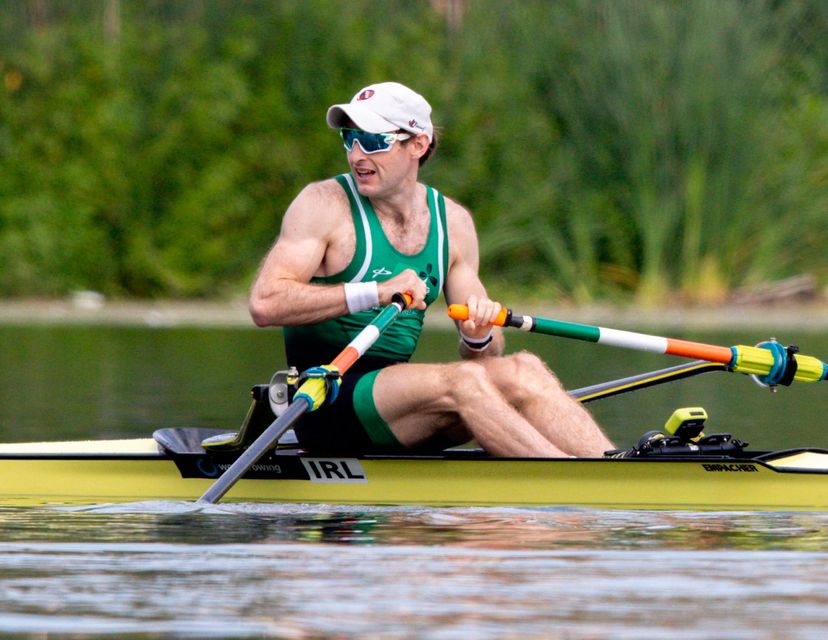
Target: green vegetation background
pixel 609 149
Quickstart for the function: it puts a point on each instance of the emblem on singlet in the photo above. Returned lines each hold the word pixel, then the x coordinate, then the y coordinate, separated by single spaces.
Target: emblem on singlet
pixel 427 277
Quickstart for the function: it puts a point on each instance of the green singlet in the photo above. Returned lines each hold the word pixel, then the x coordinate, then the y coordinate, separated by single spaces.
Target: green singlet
pixel 313 344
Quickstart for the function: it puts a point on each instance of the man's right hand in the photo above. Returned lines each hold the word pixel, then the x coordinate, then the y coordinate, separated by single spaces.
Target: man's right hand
pixel 406 282
pixel 482 312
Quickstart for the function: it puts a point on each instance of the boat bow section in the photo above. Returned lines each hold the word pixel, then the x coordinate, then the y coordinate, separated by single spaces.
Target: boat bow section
pixel 810 460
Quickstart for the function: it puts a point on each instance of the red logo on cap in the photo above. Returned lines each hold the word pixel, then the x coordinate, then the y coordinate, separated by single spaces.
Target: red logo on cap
pixel 365 94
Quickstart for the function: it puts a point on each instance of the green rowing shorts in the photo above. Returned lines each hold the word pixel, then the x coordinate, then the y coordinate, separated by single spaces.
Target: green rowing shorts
pixel 351 424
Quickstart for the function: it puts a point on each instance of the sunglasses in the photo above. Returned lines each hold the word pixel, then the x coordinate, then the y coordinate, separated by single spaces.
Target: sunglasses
pixel 370 142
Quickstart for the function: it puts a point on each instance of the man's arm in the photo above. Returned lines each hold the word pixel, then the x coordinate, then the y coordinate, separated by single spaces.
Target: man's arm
pixel 463 286
pixel 282 293
pixel 314 240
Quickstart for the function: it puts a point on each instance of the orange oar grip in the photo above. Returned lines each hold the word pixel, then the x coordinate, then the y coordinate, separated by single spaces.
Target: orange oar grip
pixel 458 312
pixel 461 312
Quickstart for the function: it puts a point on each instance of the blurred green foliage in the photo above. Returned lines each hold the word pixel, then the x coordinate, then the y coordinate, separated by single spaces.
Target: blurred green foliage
pixel 624 149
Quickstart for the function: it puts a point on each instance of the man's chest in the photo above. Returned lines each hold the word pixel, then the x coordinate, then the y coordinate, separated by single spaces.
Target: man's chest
pixel 379 241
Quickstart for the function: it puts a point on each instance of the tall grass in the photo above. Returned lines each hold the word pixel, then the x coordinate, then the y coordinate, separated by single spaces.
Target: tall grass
pixel 641 150
pixel 650 138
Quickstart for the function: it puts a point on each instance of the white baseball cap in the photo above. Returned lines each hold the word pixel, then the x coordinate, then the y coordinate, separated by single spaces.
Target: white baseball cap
pixel 384 107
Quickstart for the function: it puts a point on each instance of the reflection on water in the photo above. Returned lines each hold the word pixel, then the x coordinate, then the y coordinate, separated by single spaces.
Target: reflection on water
pixel 298 572
pixel 480 528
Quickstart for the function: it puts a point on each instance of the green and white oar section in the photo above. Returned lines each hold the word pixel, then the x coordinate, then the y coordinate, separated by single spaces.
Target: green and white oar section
pixel 769 363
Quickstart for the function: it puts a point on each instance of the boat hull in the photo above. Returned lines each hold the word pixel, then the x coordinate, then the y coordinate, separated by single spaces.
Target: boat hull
pixel 146 472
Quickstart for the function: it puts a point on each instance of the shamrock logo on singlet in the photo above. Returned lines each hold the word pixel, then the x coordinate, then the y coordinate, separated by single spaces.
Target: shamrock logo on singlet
pixel 427 276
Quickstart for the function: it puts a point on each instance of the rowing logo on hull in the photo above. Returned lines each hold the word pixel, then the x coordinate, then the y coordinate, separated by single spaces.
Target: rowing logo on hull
pixel 334 470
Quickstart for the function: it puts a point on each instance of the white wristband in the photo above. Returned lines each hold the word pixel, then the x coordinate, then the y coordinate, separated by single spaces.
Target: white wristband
pixel 360 296
pixel 477 344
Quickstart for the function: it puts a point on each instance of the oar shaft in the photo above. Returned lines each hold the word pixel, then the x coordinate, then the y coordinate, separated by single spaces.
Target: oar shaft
pixel 759 361
pixel 368 336
pixel 644 380
pixel 309 395
pixel 602 335
pixel 668 346
pixel 255 451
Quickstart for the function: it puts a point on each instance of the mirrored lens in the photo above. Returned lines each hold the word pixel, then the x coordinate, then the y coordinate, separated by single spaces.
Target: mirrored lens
pixel 369 142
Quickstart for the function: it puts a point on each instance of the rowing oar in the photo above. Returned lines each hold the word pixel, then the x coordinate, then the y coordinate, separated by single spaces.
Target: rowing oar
pixel 770 362
pixel 309 396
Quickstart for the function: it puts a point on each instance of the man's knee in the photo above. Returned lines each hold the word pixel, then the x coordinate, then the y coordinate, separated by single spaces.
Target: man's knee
pixel 525 377
pixel 529 364
pixel 468 381
pixel 518 377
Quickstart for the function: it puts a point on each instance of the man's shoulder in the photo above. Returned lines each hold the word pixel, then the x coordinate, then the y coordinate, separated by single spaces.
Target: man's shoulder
pixel 460 226
pixel 456 213
pixel 452 206
pixel 323 202
pixel 327 190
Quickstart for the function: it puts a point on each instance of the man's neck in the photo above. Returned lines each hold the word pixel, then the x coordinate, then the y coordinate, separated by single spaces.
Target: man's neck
pixel 401 205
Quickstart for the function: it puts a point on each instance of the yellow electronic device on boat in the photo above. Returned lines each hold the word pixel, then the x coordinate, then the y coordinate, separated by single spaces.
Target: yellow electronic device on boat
pixel 686 423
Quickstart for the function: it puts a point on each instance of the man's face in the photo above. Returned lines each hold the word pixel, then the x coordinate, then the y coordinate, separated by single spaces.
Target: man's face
pixel 379 162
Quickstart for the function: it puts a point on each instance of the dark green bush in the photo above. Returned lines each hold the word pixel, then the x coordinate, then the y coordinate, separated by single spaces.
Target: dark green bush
pixel 607 148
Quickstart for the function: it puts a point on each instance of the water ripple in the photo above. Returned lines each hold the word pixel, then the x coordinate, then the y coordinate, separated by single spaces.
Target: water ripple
pixel 171 569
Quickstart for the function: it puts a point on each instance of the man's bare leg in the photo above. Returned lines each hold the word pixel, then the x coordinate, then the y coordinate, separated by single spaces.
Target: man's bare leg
pixel 452 403
pixel 528 385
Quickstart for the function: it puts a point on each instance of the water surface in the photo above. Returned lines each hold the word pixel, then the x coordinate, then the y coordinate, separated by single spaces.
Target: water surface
pixel 298 572
pixel 293 571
